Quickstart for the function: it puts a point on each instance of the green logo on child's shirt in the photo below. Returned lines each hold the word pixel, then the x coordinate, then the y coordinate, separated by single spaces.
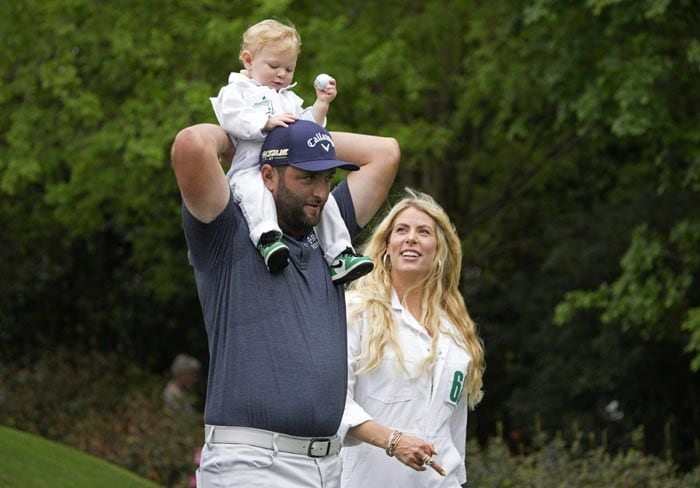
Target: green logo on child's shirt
pixel 265 104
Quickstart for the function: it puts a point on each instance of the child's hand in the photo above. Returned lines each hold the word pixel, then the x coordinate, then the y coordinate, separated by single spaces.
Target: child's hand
pixel 281 120
pixel 328 93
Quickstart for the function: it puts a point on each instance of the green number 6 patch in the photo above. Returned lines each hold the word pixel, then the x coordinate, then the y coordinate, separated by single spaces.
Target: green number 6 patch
pixel 457 383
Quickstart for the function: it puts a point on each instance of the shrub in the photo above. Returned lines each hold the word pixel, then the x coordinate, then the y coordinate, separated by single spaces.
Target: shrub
pixel 556 465
pixel 102 405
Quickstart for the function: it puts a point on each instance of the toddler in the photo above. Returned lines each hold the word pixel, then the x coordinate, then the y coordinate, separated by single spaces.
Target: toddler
pixel 256 100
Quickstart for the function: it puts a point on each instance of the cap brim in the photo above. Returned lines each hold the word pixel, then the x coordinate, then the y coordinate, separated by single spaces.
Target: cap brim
pixel 324 164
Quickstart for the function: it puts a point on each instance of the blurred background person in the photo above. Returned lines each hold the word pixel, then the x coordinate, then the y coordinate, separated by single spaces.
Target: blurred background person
pixel 179 394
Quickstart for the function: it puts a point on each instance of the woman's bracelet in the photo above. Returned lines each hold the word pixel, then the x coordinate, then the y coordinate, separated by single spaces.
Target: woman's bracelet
pixel 393 442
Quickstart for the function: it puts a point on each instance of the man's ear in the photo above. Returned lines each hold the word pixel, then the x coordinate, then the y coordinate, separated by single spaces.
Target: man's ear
pixel 269 176
pixel 246 58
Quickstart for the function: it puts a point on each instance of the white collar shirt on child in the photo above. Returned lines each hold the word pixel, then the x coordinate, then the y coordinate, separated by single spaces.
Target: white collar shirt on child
pixel 242 108
pixel 244 105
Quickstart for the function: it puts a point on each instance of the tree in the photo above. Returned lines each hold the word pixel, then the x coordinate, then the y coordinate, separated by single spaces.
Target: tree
pixel 561 137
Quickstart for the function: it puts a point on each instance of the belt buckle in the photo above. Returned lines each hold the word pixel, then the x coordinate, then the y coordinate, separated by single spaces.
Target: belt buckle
pixel 311 446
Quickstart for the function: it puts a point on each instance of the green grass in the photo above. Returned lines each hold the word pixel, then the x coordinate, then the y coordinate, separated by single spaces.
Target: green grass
pixel 28 461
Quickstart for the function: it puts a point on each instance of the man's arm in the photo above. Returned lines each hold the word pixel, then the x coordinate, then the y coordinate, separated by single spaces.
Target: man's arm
pixel 378 158
pixel 195 158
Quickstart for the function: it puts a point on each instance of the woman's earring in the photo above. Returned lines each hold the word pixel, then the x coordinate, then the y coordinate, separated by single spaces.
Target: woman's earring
pixel 387 261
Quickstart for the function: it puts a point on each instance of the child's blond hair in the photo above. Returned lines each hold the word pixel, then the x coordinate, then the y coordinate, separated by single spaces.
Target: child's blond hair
pixel 268 32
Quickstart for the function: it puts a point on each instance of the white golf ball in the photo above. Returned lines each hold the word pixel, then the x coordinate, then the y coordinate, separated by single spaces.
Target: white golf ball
pixel 322 81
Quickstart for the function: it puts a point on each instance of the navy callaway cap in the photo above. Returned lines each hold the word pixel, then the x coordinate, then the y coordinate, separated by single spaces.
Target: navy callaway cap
pixel 304 145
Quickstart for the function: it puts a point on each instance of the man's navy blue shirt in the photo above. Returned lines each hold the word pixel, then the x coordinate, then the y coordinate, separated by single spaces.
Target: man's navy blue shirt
pixel 277 342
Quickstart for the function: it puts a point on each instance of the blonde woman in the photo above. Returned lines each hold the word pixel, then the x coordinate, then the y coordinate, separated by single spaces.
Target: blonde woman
pixel 415 361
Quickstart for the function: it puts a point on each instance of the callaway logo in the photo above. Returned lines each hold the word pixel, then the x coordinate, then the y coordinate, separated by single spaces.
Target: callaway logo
pixel 318 138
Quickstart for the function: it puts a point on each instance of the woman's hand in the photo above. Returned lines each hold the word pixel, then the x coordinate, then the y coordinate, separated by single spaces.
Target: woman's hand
pixel 412 451
pixel 417 453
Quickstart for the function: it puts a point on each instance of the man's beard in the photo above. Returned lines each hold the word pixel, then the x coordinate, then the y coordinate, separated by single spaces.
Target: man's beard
pixel 290 211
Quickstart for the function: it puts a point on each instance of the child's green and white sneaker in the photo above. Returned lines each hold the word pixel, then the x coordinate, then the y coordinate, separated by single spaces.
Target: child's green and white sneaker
pixel 275 254
pixel 349 266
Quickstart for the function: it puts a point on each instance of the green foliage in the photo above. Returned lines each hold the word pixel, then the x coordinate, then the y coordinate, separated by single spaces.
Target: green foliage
pixel 103 406
pixel 555 464
pixel 652 292
pixel 562 138
pixel 692 326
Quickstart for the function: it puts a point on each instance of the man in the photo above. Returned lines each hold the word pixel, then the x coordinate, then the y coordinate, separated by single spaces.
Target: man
pixel 277 342
pixel 178 393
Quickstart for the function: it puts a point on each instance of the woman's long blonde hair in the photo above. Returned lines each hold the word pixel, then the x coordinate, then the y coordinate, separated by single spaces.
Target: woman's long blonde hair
pixel 440 298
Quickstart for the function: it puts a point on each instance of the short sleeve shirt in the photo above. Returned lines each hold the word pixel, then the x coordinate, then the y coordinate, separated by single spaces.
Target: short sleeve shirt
pixel 277 342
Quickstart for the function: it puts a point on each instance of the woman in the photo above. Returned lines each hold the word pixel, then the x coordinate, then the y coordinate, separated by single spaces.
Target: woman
pixel 415 361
